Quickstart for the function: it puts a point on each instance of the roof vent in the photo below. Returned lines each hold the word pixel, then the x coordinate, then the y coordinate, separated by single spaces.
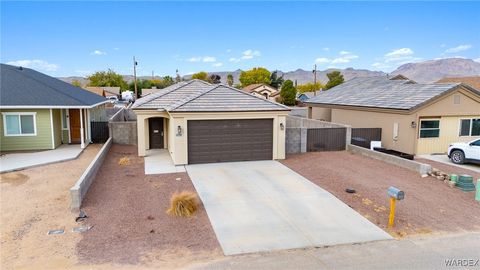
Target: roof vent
pixel 20 68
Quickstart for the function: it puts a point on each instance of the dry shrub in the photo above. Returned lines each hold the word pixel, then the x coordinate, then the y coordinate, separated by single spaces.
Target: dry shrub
pixel 183 204
pixel 124 161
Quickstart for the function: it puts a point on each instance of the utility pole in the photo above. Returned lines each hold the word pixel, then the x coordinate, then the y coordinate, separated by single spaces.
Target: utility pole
pixel 153 76
pixel 315 80
pixel 135 76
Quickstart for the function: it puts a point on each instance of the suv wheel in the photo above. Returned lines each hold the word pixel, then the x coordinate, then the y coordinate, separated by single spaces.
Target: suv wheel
pixel 457 157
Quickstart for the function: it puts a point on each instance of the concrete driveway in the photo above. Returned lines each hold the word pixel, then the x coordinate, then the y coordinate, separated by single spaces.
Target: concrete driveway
pixel 445 160
pixel 263 206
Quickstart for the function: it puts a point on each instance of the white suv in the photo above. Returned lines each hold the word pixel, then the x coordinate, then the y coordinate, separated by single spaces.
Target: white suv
pixel 460 153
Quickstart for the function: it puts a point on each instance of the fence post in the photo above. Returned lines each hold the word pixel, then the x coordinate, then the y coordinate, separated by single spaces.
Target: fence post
pixel 303 140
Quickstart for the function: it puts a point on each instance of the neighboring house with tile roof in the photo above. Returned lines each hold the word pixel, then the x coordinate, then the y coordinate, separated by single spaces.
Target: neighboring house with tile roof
pixel 262 90
pixel 41 112
pixel 199 122
pixel 414 118
pixel 473 81
pixel 96 90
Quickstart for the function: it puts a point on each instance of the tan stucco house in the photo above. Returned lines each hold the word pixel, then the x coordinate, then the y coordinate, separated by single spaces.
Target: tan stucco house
pixel 414 118
pixel 200 123
pixel 262 90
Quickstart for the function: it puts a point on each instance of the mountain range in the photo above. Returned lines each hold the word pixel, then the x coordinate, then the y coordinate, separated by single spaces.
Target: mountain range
pixel 422 72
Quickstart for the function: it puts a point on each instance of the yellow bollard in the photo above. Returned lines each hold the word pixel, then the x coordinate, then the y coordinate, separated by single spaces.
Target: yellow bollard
pixel 391 218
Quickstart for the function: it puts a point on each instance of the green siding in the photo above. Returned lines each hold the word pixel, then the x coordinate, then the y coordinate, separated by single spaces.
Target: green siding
pixel 57 127
pixel 42 141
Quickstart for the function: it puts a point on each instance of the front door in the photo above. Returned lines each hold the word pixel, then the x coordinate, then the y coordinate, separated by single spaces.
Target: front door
pixel 156 132
pixel 74 117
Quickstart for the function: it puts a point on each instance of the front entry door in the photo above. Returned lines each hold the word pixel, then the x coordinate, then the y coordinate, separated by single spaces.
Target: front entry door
pixel 74 117
pixel 156 132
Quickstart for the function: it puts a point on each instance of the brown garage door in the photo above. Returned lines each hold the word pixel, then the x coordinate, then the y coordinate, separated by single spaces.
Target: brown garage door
pixel 229 140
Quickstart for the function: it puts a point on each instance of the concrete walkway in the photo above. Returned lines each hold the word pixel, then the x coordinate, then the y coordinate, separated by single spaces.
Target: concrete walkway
pixel 158 161
pixel 429 252
pixel 263 206
pixel 444 159
pixel 19 161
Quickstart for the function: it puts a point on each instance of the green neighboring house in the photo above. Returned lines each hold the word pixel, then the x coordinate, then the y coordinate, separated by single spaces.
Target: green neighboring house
pixel 39 112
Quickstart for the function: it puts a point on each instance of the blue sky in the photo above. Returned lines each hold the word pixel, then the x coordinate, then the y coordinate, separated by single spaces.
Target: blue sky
pixel 77 38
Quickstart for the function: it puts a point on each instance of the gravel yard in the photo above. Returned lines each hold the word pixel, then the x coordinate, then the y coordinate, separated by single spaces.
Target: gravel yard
pixel 34 201
pixel 430 205
pixel 130 226
pixel 450 169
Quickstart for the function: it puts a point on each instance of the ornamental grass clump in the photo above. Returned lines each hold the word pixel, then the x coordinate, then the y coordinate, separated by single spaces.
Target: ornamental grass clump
pixel 183 204
pixel 124 161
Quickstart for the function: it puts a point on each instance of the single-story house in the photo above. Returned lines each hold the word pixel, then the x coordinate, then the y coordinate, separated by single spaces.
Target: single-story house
pixel 148 91
pixel 473 81
pixel 199 122
pixel 414 118
pixel 96 90
pixel 41 112
pixel 262 90
pixel 305 96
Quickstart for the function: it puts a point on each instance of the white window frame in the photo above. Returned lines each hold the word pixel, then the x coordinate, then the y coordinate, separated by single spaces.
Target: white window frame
pixel 471 127
pixel 34 114
pixel 67 119
pixel 420 128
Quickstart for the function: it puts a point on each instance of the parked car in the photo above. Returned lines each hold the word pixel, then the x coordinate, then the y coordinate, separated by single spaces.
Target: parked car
pixel 112 99
pixel 460 153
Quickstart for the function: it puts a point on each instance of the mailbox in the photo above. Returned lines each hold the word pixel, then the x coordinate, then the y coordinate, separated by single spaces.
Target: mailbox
pixel 396 193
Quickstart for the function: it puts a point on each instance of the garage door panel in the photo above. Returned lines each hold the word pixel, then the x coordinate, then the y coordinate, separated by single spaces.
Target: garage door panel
pixel 229 140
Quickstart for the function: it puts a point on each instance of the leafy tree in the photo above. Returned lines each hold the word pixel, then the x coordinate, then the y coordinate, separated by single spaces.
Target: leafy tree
pixel 202 75
pixel 288 93
pixel 255 75
pixel 276 81
pixel 334 78
pixel 309 87
pixel 107 78
pixel 230 79
pixel 76 83
pixel 166 82
pixel 215 79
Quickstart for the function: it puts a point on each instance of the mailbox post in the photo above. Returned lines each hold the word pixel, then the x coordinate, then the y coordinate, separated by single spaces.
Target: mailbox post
pixel 394 194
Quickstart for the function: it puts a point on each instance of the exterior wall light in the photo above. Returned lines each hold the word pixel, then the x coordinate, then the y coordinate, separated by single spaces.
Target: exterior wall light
pixel 413 124
pixel 179 131
pixel 282 127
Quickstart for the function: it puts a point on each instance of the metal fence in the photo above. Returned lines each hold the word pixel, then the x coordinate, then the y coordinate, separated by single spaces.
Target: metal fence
pixel 326 139
pixel 364 136
pixel 99 132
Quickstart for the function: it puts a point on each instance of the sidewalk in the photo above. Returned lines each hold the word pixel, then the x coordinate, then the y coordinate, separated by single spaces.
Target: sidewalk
pixel 428 252
pixel 19 161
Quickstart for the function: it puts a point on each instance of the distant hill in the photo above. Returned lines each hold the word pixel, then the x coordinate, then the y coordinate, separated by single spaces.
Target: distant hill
pixel 423 72
pixel 433 70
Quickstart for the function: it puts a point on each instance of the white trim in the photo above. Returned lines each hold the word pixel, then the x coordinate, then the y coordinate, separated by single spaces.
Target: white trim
pixel 68 125
pixel 471 126
pixel 66 118
pixel 82 136
pixel 51 128
pixel 34 114
pixel 420 128
pixel 53 107
pixel 89 127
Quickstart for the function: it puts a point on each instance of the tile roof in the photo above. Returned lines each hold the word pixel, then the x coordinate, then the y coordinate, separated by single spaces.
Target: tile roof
pixel 29 88
pixel 96 90
pixel 199 96
pixel 473 81
pixel 251 87
pixel 382 92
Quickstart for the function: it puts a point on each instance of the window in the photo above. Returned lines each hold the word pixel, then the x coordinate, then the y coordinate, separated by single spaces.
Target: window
pixel 64 119
pixel 470 127
pixel 429 128
pixel 19 124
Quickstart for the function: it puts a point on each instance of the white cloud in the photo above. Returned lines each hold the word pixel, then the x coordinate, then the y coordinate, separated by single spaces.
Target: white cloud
pixel 322 60
pixel 249 54
pixel 209 59
pixel 218 64
pixel 398 55
pixel 443 45
pixel 116 49
pixel 233 59
pixel 98 52
pixel 477 60
pixel 342 58
pixel 35 64
pixel 459 48
pixel 326 49
pixel 229 50
pixel 206 59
